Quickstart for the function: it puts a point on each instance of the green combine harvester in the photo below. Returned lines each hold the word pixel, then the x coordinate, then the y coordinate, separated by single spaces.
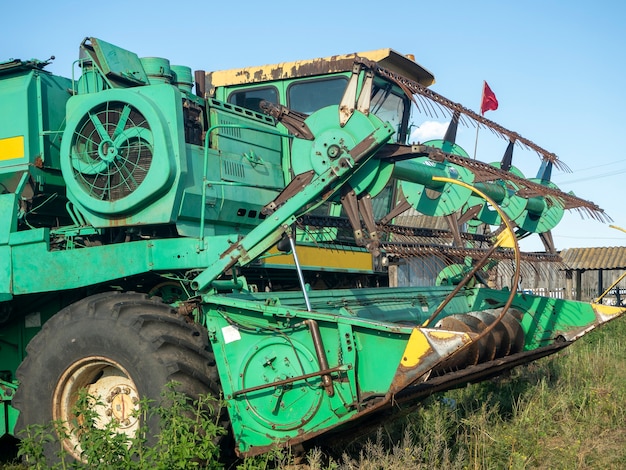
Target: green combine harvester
pixel 236 231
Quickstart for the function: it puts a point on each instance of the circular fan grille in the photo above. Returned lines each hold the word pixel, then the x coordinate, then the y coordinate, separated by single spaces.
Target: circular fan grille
pixel 112 151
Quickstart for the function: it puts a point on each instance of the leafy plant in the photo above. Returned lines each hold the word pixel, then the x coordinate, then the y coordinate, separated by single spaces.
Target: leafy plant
pixel 187 437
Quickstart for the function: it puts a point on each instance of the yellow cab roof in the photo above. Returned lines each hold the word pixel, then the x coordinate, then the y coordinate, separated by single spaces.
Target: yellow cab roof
pixel 386 58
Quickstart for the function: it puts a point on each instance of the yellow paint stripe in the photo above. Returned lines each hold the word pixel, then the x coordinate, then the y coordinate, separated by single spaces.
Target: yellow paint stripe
pixel 608 310
pixel 325 258
pixel 12 148
pixel 417 347
pixel 505 239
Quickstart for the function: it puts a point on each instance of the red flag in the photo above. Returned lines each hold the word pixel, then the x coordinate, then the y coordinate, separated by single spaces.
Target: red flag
pixel 490 102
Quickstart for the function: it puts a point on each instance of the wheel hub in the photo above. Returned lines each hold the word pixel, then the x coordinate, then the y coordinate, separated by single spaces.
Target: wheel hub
pixel 112 392
pixel 121 403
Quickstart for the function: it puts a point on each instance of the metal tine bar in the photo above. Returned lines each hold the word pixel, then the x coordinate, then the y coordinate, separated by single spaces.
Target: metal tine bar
pixel 415 88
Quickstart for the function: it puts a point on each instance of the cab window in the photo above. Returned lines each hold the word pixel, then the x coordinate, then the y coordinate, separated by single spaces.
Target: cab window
pixel 309 96
pixel 390 107
pixel 252 98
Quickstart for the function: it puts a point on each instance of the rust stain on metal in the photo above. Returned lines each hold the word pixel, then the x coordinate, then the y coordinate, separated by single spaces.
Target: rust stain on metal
pixel 319 66
pixel 362 147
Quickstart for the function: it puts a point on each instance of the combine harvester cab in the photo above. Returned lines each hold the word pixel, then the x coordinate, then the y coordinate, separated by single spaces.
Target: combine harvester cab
pixel 154 235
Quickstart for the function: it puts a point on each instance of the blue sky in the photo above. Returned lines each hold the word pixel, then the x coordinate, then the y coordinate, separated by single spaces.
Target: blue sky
pixel 556 67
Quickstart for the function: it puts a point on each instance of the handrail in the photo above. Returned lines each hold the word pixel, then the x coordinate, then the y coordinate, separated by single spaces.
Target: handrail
pixel 205 177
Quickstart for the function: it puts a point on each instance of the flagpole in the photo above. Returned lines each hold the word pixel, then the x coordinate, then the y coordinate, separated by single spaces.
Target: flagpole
pixel 476 142
pixel 482 98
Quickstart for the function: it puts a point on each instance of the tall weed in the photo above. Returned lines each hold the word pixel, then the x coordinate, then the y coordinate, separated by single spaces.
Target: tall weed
pixel 187 437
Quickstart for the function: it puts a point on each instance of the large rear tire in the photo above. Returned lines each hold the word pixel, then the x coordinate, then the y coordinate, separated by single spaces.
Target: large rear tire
pixel 120 347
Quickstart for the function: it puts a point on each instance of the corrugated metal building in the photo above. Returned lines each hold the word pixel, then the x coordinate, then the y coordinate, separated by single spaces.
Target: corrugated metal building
pixel 590 271
pixel 582 274
pixel 576 273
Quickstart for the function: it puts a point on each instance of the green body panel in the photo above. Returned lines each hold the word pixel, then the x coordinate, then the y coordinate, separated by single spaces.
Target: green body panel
pixel 78 268
pixel 8 414
pixel 270 342
pixel 32 92
pixel 249 155
pixel 545 319
pixel 8 207
pixel 117 63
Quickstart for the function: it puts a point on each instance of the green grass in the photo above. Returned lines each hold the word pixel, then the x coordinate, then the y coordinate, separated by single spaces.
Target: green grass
pixel 566 411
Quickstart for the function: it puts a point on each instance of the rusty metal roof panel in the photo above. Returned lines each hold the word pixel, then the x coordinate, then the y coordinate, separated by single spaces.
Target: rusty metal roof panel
pixel 595 258
pixel 387 58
